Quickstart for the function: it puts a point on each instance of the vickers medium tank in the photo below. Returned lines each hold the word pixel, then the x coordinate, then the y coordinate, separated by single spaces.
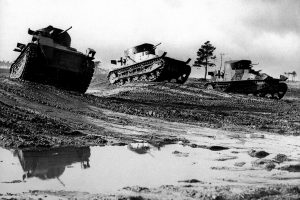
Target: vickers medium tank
pixel 239 77
pixel 142 64
pixel 51 163
pixel 50 59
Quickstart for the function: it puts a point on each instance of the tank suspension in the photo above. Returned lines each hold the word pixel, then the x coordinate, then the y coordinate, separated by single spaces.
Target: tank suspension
pixel 156 69
pixel 146 71
pixel 148 77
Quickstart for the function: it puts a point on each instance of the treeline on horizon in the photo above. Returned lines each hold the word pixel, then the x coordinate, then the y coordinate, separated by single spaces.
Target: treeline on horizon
pixel 5 63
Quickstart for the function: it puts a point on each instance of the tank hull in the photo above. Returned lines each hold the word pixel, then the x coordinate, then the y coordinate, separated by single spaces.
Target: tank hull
pixel 272 88
pixel 60 67
pixel 51 163
pixel 153 70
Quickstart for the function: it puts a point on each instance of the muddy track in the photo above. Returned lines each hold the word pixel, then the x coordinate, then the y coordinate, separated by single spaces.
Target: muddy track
pixel 30 109
pixel 35 116
pixel 41 116
pixel 215 109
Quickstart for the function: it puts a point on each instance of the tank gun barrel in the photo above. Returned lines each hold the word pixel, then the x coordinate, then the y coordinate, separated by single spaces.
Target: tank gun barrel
pixel 154 47
pixel 252 64
pixel 65 30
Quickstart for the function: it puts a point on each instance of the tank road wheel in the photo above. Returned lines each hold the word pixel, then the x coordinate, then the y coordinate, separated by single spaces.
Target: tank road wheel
pixel 282 88
pixel 121 82
pixel 181 79
pixel 260 94
pixel 275 95
pixel 151 76
pixel 209 86
pixel 158 73
pixel 128 80
pixel 143 77
pixel 112 78
pixel 269 95
pixel 136 78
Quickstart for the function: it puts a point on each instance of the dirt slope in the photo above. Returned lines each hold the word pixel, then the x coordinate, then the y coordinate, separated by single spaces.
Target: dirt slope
pixel 52 117
pixel 39 116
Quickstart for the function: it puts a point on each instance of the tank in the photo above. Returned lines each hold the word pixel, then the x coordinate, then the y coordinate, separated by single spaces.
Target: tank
pixel 142 64
pixel 51 163
pixel 50 59
pixel 239 77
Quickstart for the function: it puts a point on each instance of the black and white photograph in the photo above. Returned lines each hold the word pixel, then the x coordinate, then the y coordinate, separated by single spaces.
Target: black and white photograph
pixel 149 99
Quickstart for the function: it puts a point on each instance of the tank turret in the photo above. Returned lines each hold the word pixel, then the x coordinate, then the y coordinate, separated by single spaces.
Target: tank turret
pixel 59 36
pixel 140 53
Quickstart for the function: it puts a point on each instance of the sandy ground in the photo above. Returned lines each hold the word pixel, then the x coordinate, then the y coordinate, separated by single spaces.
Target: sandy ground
pixel 36 116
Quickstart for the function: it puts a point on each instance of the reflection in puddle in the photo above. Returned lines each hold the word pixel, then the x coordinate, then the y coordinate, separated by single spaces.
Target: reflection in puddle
pixel 110 168
pixel 139 148
pixel 51 163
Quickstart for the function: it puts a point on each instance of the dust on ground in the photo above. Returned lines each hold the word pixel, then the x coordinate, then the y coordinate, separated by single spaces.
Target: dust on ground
pixel 37 116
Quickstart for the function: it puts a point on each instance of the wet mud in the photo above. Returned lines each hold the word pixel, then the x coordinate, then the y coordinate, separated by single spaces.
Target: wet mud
pixel 243 134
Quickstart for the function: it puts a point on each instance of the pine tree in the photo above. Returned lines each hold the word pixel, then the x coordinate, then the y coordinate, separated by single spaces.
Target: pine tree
pixel 205 57
pixel 294 74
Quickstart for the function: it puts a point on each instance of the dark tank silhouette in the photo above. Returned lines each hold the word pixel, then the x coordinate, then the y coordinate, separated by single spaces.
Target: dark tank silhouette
pixel 50 164
pixel 239 77
pixel 142 64
pixel 50 59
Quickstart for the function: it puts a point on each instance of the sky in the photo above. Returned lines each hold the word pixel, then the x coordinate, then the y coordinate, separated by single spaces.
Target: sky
pixel 264 31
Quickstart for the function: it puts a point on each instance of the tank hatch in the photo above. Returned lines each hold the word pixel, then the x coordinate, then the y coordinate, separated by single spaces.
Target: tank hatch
pixel 240 64
pixel 140 48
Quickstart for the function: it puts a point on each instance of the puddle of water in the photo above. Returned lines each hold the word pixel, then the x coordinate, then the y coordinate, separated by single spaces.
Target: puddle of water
pixel 110 168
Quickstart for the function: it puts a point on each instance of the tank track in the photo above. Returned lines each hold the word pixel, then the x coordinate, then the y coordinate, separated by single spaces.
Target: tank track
pixel 145 71
pixel 271 93
pixel 268 90
pixel 149 71
pixel 21 66
pixel 86 77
